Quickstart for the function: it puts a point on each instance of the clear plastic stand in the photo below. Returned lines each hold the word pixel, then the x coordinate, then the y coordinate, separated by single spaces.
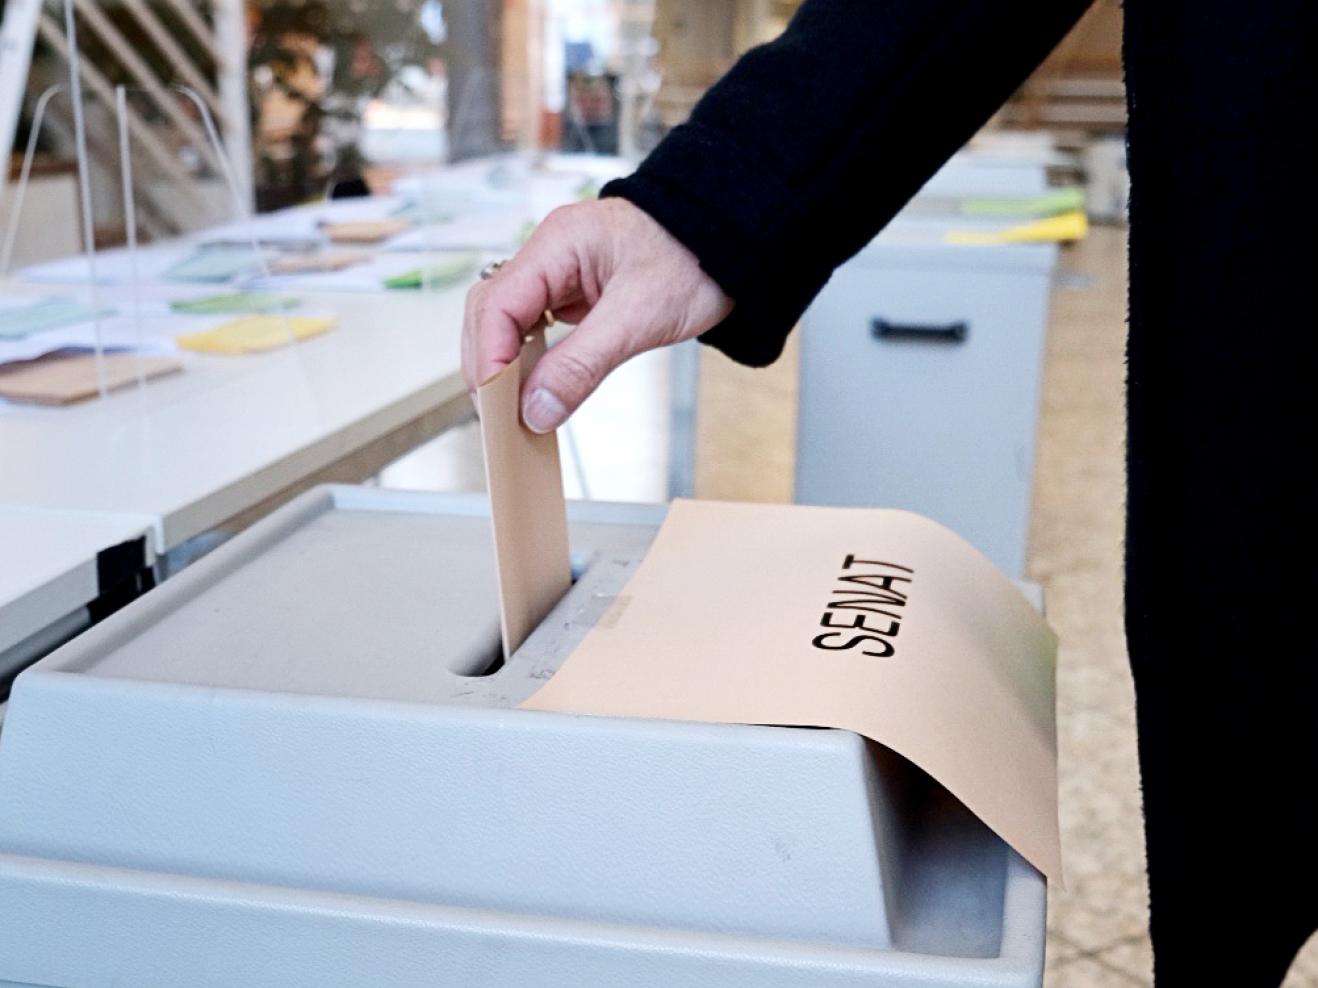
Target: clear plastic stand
pixel 130 223
pixel 432 207
pixel 20 190
pixel 84 186
pixel 130 212
pixel 241 207
pixel 124 126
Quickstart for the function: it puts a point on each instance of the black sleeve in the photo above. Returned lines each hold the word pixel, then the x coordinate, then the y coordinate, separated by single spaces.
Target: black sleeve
pixel 813 142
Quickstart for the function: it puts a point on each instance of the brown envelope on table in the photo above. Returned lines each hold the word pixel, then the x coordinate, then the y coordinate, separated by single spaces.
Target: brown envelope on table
pixel 877 621
pixel 364 231
pixel 63 378
pixel 527 508
pixel 315 263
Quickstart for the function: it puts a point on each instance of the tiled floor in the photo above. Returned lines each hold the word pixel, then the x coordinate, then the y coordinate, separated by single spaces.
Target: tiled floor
pixel 1098 925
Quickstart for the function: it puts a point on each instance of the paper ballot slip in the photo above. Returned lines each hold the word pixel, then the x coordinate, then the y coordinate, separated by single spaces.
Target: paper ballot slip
pixel 876 621
pixel 527 510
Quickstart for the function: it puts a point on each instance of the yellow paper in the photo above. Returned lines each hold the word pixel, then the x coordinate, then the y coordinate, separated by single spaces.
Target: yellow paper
pixel 1065 226
pixel 527 508
pixel 876 621
pixel 252 334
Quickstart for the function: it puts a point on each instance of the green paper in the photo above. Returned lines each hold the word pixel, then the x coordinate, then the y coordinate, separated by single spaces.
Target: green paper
pixel 44 314
pixel 1049 203
pixel 237 303
pixel 442 274
pixel 215 264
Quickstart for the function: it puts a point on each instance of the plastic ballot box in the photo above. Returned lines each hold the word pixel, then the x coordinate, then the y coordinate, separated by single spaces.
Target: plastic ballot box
pixel 921 366
pixel 301 763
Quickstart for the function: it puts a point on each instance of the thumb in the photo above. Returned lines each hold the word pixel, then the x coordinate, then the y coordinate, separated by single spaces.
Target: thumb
pixel 573 368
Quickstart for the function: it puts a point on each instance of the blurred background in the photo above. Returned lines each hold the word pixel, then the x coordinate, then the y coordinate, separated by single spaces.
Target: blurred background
pixel 343 168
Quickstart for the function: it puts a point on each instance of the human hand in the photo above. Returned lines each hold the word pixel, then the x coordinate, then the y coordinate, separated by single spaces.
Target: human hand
pixel 605 266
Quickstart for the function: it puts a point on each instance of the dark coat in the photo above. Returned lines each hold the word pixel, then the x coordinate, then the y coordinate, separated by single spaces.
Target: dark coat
pixel 813 142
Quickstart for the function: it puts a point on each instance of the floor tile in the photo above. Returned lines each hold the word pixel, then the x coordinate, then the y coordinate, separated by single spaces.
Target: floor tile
pixel 1086 972
pixel 1133 957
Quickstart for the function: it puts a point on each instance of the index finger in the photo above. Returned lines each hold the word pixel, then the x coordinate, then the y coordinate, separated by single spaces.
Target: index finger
pixel 488 345
pixel 543 275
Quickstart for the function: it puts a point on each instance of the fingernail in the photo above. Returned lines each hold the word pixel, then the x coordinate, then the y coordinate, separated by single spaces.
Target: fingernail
pixel 542 412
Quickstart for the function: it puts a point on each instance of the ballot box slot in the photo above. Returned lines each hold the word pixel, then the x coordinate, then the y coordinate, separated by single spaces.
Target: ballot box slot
pixel 484 659
pixel 487 658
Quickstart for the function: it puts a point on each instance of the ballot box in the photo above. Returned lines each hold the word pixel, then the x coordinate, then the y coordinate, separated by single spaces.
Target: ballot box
pixel 971 174
pixel 300 762
pixel 921 367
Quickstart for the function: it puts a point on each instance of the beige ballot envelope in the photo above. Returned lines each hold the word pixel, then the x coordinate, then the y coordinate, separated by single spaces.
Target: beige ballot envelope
pixel 877 621
pixel 527 509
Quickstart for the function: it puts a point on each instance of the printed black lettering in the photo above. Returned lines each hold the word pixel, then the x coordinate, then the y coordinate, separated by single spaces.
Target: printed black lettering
pixel 853 561
pixel 858 621
pixel 879 581
pixel 867 594
pixel 861 605
pixel 852 643
pixel 873 596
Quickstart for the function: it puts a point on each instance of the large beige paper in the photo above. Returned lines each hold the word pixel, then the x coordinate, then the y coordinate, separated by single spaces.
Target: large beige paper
pixel 526 503
pixel 881 622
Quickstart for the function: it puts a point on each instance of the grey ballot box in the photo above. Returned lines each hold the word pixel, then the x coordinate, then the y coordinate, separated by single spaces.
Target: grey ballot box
pixel 299 763
pixel 921 365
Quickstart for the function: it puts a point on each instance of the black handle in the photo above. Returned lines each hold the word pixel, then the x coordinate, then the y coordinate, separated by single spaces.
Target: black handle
pixel 951 332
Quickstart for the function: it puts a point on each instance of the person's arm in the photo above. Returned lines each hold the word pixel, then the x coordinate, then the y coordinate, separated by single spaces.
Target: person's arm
pixel 789 165
pixel 814 141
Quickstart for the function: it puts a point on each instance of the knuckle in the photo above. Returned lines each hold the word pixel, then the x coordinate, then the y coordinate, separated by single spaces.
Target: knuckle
pixel 558 218
pixel 578 372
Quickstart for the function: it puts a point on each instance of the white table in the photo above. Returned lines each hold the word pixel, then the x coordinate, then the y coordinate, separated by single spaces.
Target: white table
pixel 224 438
pixel 52 565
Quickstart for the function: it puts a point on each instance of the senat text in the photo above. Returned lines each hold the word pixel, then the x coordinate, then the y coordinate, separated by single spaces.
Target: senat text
pixel 866 606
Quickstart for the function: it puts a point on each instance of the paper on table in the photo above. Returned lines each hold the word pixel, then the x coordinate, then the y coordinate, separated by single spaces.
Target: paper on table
pixel 117 333
pixel 113 267
pixel 234 303
pixel 1062 227
pixel 218 263
pixel 305 222
pixel 369 276
pixel 365 231
pixel 473 230
pixel 526 503
pixel 20 321
pixel 448 271
pixel 880 622
pixel 253 334
pixel 329 260
pixel 62 379
pixel 1051 203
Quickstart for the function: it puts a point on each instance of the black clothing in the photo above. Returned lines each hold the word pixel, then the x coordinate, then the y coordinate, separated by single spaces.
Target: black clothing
pixel 813 142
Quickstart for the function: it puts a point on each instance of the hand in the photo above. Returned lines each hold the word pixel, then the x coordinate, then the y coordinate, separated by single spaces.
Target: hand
pixel 605 266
